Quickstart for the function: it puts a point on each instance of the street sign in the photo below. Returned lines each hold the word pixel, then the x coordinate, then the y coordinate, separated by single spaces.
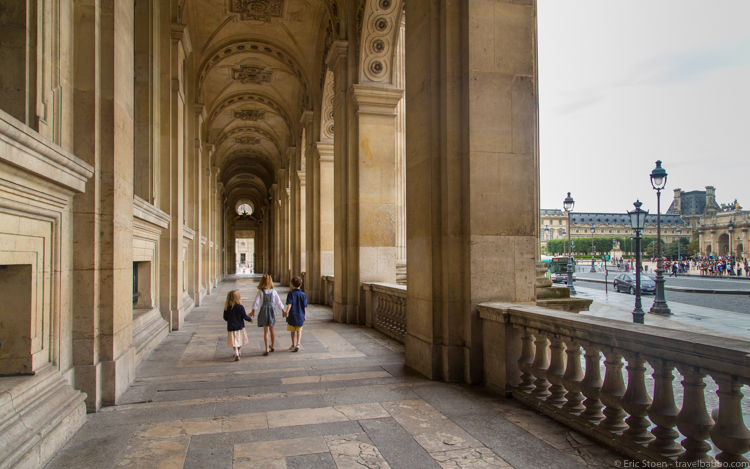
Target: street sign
pixel 606 257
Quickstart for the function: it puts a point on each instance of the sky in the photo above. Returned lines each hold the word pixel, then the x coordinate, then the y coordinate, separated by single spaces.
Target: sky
pixel 625 83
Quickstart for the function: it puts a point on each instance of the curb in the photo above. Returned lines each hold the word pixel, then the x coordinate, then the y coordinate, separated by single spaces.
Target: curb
pixel 681 289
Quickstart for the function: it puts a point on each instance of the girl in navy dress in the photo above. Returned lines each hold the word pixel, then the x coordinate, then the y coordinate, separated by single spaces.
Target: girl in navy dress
pixel 264 303
pixel 234 315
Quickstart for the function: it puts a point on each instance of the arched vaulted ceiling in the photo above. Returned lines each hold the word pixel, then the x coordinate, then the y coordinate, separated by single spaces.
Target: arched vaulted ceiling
pixel 255 71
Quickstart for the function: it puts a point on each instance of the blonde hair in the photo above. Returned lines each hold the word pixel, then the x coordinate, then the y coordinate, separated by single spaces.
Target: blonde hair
pixel 266 283
pixel 233 298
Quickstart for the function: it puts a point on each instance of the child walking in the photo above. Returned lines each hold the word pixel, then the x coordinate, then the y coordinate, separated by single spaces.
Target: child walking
pixel 234 315
pixel 296 304
pixel 264 303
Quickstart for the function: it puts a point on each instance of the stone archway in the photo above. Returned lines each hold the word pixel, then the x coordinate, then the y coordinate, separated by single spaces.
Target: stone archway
pixel 723 245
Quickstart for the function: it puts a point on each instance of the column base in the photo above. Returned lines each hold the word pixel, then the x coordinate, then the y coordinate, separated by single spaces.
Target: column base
pixel 179 314
pixel 39 414
pixel 149 329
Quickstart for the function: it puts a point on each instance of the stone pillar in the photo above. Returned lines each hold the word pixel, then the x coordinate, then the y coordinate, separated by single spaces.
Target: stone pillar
pixel 364 187
pixel 338 64
pixel 103 354
pixel 302 216
pixel 325 217
pixel 472 172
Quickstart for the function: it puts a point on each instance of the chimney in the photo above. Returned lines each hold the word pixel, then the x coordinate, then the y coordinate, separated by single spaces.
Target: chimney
pixel 710 200
pixel 677 206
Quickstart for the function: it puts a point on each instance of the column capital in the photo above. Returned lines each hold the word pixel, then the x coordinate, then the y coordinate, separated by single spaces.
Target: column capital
pixel 338 51
pixel 306 118
pixel 376 99
pixel 324 150
pixel 180 33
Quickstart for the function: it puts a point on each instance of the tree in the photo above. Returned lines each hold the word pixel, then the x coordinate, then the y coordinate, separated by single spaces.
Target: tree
pixel 672 251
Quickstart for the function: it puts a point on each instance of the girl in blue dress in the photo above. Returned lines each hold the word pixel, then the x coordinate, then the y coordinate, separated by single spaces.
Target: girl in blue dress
pixel 265 303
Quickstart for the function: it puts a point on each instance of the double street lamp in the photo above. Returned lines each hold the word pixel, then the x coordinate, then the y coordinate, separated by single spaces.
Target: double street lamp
pixel 637 222
pixel 568 205
pixel 679 258
pixel 593 248
pixel 658 182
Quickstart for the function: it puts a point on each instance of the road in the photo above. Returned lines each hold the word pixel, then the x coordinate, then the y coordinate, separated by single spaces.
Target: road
pixel 734 303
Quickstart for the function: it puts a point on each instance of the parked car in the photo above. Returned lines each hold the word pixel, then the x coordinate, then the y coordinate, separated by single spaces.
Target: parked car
pixel 626 283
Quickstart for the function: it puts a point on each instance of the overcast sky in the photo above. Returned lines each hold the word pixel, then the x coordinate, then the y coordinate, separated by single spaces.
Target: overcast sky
pixel 624 83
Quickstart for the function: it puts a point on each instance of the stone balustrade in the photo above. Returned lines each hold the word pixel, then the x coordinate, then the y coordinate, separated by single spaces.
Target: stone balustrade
pixel 385 305
pixel 553 362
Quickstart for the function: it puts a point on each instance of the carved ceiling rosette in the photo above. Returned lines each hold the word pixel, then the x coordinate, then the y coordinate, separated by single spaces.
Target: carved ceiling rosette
pixel 379 28
pixel 247 140
pixel 258 10
pixel 249 114
pixel 246 74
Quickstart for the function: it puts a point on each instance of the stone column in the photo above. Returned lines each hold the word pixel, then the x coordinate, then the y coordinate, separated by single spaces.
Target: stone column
pixel 302 215
pixel 472 172
pixel 345 300
pixel 103 354
pixel 325 217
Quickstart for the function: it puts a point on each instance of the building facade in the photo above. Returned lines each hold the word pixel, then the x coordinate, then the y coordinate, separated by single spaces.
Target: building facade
pixel 554 225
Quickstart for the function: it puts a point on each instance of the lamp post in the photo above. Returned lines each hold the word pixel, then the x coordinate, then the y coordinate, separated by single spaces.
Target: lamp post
pixel 637 222
pixel 739 253
pixel 546 237
pixel 568 205
pixel 564 245
pixel 679 258
pixel 730 228
pixel 658 182
pixel 593 248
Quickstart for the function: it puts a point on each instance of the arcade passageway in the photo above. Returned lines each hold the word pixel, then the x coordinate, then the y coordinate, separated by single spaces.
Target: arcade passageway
pixel 345 400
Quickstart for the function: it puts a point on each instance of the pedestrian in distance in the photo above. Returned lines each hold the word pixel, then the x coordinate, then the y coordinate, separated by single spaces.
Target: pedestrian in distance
pixel 265 303
pixel 234 315
pixel 296 309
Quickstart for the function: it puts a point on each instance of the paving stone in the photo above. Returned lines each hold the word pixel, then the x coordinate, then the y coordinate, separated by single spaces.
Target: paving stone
pixel 311 461
pixel 396 445
pixel 93 447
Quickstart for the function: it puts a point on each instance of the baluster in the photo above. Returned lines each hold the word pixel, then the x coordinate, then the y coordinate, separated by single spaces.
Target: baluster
pixel 555 373
pixel 539 368
pixel 591 385
pixel 693 420
pixel 663 411
pixel 611 393
pixel 572 379
pixel 636 400
pixel 729 434
pixel 526 360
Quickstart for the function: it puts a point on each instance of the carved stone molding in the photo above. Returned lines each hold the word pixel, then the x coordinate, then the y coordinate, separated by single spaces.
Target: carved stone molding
pixel 326 118
pixel 378 26
pixel 258 10
pixel 255 47
pixel 249 114
pixel 252 74
pixel 247 140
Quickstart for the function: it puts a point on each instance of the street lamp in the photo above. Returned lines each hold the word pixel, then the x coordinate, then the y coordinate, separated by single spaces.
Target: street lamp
pixel 546 237
pixel 679 258
pixel 593 248
pixel 637 222
pixel 730 228
pixel 564 245
pixel 568 205
pixel 658 182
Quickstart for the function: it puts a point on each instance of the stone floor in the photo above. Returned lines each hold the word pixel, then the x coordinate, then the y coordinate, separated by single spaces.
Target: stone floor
pixel 345 400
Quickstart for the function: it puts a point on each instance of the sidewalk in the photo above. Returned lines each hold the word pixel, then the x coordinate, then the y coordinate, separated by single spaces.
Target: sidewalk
pixel 715 291
pixel 685 317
